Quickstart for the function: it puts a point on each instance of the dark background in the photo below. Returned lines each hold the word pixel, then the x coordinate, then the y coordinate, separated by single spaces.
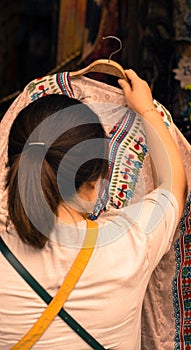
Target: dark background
pixel 154 34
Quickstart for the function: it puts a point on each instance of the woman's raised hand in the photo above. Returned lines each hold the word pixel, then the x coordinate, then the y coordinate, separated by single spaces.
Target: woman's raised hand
pixel 138 93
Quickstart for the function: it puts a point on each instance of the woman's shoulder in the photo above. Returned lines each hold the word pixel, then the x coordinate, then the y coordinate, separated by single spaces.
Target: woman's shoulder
pixel 145 214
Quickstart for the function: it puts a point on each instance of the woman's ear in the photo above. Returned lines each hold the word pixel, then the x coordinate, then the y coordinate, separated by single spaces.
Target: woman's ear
pixel 88 190
pixel 92 184
pixel 87 187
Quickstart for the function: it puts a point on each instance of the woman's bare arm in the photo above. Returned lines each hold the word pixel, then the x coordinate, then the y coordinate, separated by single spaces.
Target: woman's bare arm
pixel 162 148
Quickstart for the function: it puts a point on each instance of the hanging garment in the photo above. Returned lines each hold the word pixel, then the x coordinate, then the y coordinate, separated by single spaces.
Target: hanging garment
pixel 129 180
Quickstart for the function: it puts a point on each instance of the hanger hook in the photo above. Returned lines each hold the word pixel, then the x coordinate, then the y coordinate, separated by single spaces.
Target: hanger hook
pixel 120 43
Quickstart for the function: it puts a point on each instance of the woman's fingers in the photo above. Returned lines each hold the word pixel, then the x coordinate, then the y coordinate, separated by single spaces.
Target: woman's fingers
pixel 124 85
pixel 137 93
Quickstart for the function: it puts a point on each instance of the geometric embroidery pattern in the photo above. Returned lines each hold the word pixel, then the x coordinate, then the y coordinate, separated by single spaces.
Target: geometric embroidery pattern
pixel 182 282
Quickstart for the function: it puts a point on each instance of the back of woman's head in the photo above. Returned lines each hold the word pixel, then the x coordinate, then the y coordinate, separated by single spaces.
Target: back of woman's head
pixel 55 145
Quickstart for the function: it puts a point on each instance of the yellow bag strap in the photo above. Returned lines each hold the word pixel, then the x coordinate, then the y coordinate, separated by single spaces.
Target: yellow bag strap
pixel 76 270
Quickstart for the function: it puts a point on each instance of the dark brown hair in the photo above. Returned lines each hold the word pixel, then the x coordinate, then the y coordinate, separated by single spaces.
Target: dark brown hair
pixel 60 125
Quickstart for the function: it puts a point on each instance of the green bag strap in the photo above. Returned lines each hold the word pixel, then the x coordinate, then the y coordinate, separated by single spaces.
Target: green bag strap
pixel 92 342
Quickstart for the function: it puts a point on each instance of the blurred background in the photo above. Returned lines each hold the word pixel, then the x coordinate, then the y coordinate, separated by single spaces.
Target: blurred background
pixel 40 37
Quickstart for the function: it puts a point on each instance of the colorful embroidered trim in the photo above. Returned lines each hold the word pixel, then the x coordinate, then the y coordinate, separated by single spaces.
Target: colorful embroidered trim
pixel 63 81
pixel 51 84
pixel 181 284
pixel 127 150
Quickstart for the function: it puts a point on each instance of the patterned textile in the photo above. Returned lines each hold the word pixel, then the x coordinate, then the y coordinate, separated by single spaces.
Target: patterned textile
pixel 163 325
pixel 182 282
pixel 101 20
pixel 71 30
pixel 163 29
pixel 182 19
pixel 149 21
pixel 82 24
pixel 106 14
pixel 92 23
pixel 165 309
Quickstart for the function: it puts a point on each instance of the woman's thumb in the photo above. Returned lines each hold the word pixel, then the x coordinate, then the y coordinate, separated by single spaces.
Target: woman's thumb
pixel 124 85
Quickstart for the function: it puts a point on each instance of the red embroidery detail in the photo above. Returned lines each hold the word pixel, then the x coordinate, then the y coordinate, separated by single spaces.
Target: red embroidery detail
pixel 121 194
pixel 128 161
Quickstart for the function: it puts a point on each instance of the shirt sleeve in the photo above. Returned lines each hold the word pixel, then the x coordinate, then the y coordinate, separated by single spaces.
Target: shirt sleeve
pixel 157 217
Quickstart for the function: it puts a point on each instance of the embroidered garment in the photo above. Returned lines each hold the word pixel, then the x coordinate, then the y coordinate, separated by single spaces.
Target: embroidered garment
pixel 130 179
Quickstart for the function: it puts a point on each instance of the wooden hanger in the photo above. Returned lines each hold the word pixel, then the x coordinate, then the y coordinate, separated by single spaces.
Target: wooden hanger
pixel 107 66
